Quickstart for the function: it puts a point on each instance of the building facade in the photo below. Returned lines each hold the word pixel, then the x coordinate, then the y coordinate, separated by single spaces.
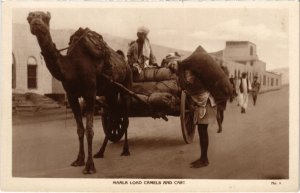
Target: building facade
pixel 29 71
pixel 30 74
pixel 241 56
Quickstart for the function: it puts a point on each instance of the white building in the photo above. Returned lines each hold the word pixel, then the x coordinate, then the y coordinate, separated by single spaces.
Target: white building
pixel 30 73
pixel 241 56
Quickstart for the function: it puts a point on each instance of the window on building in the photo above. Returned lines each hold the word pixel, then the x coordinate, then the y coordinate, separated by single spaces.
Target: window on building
pixel 264 81
pixel 272 82
pixel 251 51
pixel 31 73
pixel 14 84
pixel 276 82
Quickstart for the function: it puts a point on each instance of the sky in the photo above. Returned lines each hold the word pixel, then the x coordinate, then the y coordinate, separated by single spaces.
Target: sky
pixel 184 28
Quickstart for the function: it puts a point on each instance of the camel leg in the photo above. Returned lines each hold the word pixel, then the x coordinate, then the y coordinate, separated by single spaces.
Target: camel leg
pixel 90 103
pixel 126 103
pixel 73 101
pixel 100 153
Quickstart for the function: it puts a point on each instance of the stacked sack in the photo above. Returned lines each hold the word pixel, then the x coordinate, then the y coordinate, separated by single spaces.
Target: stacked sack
pixel 154 75
pixel 159 87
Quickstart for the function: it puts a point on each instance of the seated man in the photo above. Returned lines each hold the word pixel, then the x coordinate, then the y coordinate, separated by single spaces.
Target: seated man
pixel 140 54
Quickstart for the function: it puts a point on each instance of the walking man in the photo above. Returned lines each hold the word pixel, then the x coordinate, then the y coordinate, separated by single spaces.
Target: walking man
pixel 244 89
pixel 231 79
pixel 255 89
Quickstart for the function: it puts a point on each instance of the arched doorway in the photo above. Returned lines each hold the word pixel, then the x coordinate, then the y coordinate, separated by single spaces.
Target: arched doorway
pixel 32 72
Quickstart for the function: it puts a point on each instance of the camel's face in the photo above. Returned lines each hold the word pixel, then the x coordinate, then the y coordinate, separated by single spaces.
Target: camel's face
pixel 39 22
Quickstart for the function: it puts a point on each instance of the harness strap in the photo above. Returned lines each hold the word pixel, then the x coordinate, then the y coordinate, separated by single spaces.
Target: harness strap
pixel 72 45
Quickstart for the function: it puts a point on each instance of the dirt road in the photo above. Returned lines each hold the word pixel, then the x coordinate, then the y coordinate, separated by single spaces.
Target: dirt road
pixel 252 146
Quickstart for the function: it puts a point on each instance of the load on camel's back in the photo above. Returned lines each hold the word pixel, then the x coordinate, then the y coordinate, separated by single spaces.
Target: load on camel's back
pixel 97 48
pixel 92 41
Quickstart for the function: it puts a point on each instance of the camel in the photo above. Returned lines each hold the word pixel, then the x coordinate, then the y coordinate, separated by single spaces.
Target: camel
pixel 83 75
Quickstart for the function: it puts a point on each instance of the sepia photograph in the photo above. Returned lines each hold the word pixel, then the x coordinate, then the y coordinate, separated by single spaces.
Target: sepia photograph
pixel 142 97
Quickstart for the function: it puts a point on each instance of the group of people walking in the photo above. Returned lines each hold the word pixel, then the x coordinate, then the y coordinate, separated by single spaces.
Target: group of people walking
pixel 206 110
pixel 243 87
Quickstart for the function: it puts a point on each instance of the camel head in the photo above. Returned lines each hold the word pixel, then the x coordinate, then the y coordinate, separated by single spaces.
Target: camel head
pixel 39 22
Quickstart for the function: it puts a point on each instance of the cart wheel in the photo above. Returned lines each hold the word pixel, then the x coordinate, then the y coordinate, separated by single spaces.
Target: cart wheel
pixel 186 118
pixel 114 128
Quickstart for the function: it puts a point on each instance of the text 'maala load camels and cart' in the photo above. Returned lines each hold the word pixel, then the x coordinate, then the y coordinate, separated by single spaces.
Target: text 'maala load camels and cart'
pixel 91 69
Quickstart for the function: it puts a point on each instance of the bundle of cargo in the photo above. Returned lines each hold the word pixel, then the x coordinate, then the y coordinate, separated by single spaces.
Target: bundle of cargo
pixel 161 82
pixel 208 72
pixel 159 88
pixel 154 75
pixel 159 102
pixel 147 88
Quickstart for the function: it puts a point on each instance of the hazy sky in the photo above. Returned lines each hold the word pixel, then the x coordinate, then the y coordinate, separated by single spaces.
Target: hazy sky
pixel 185 28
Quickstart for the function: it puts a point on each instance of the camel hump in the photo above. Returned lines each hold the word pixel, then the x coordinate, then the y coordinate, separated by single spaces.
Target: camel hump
pixel 92 41
pixel 76 35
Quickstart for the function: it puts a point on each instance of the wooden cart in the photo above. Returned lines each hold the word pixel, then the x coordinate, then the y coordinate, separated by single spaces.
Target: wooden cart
pixel 114 126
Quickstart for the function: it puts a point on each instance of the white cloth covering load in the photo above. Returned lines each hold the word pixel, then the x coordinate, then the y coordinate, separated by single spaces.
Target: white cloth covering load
pixel 146 52
pixel 173 56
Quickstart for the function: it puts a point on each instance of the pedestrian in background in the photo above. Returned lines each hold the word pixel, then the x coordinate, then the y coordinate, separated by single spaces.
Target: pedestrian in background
pixel 237 82
pixel 231 79
pixel 255 89
pixel 244 88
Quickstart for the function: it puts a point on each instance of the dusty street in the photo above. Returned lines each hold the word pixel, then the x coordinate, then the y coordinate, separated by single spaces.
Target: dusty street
pixel 252 146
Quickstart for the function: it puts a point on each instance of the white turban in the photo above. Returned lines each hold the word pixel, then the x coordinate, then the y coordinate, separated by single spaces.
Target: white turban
pixel 143 29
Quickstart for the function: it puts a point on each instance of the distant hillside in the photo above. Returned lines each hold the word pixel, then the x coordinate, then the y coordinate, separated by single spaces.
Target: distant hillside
pixel 61 39
pixel 285 74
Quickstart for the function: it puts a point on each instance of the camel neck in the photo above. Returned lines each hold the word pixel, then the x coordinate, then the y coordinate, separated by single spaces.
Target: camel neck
pixel 52 57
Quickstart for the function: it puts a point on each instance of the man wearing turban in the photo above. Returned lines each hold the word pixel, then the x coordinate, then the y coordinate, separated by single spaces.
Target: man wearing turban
pixel 140 54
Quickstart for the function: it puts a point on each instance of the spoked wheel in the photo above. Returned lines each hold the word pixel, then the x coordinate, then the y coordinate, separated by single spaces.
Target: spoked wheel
pixel 114 128
pixel 187 119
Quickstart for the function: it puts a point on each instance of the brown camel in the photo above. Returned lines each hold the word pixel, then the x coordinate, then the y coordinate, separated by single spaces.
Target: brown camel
pixel 83 75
